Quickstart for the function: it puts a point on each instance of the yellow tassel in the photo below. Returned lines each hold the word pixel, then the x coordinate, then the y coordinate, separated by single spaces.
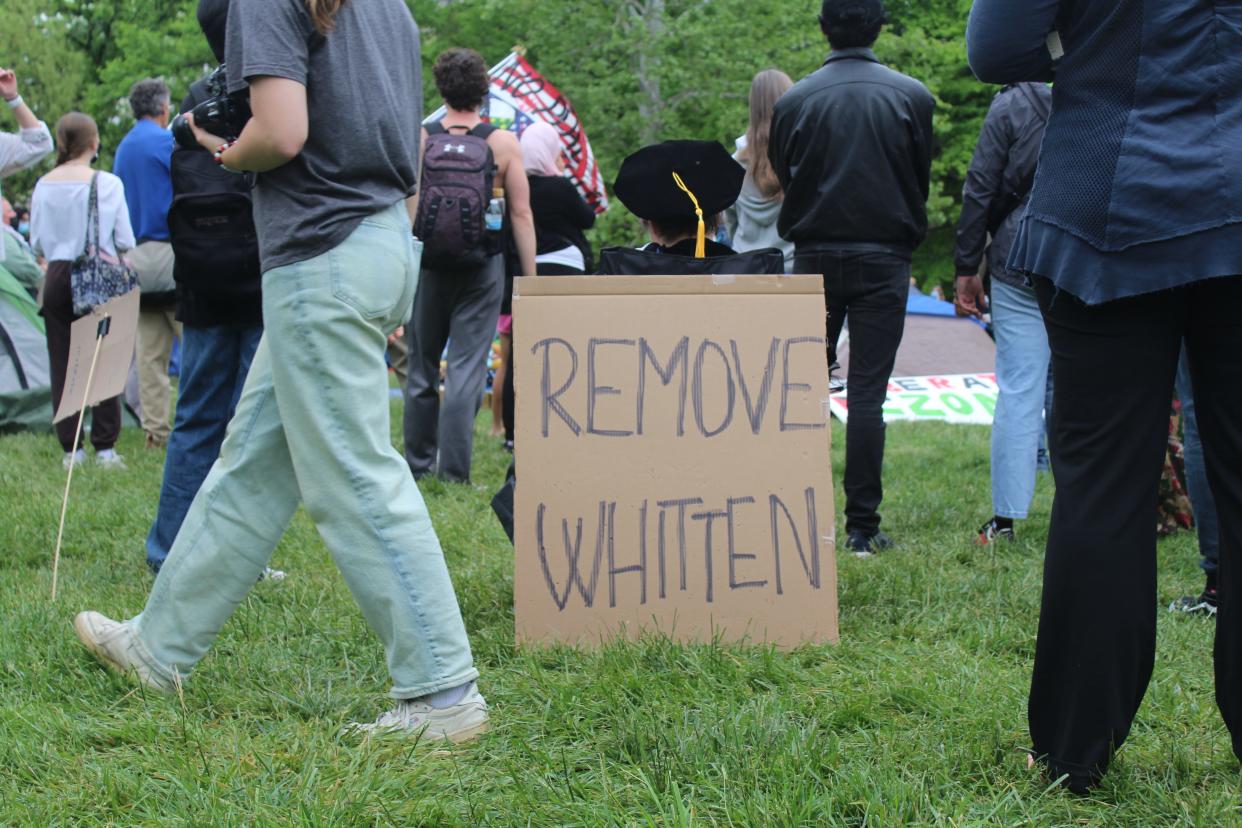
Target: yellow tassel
pixel 700 245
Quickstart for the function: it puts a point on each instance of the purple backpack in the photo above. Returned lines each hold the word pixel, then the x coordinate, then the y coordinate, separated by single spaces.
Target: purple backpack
pixel 458 171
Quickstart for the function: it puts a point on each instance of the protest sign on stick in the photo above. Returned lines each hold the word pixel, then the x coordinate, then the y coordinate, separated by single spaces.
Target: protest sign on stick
pixel 673 460
pixel 101 348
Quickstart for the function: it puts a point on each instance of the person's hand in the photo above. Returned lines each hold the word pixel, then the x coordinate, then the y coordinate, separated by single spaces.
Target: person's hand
pixel 206 140
pixel 969 296
pixel 396 335
pixel 8 84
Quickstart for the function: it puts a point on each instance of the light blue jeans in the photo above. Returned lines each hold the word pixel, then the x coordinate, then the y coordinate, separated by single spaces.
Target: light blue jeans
pixel 1201 498
pixel 312 427
pixel 1022 359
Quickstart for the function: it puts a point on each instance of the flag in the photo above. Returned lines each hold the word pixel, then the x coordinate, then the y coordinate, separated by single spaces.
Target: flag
pixel 518 97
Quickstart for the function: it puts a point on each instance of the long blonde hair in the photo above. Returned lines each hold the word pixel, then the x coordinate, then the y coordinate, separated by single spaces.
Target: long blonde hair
pixel 323 13
pixel 765 90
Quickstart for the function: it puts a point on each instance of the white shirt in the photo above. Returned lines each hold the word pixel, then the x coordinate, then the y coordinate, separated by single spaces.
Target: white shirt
pixel 58 218
pixel 17 152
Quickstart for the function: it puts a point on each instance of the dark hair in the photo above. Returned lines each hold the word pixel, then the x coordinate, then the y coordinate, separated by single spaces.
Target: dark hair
pixel 213 19
pixel 75 132
pixel 685 228
pixel 148 98
pixel 461 78
pixel 852 24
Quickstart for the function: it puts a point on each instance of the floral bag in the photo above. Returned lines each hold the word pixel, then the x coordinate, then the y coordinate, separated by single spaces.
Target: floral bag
pixel 96 276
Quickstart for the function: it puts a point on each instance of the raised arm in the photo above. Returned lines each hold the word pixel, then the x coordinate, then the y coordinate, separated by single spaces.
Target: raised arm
pixel 1007 40
pixel 17 152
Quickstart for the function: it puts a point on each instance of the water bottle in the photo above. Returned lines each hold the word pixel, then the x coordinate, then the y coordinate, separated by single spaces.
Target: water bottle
pixel 494 217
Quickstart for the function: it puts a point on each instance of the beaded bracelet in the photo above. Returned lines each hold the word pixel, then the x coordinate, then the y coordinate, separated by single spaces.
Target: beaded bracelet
pixel 218 155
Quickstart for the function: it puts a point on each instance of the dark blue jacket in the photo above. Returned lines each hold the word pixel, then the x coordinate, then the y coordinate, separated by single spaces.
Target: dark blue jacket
pixel 1140 177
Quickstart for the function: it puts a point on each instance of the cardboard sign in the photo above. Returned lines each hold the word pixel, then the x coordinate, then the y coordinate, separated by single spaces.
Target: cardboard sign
pixel 963 399
pixel 119 318
pixel 673 460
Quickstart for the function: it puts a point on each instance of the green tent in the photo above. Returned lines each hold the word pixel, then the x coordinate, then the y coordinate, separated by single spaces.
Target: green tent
pixel 25 383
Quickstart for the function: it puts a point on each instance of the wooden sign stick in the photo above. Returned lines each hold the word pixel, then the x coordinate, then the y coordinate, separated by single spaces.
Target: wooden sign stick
pixel 77 437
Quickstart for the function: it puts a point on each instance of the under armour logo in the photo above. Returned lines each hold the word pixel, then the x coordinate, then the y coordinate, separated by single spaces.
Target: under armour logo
pixel 460 149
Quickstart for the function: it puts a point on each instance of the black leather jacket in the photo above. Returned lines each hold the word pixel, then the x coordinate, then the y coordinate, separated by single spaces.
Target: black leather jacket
pixel 852 146
pixel 998 185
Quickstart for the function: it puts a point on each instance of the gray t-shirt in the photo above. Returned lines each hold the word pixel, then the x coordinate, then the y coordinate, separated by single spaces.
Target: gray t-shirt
pixel 364 97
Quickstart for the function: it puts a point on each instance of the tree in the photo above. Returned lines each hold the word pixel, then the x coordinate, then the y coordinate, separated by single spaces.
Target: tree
pixel 51 72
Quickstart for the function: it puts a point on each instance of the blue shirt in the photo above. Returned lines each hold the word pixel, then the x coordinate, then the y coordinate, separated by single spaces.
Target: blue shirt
pixel 1139 187
pixel 142 163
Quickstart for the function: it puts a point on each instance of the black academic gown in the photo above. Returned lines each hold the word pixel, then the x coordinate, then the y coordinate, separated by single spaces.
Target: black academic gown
pixel 679 260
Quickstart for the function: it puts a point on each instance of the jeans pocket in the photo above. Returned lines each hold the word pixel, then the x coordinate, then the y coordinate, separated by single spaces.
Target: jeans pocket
pixel 369 272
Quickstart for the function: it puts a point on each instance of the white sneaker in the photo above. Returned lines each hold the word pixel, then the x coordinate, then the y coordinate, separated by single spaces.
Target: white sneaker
pixel 112 642
pixel 77 459
pixel 462 722
pixel 109 459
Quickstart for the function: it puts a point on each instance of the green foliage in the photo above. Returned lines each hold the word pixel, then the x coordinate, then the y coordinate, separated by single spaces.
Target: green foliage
pixel 637 71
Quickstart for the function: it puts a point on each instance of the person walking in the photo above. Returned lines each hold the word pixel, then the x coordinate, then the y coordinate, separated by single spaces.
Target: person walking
pixel 22 150
pixel 851 145
pixel 219 305
pixel 142 163
pixel 998 186
pixel 312 425
pixel 66 206
pixel 1133 238
pixel 752 219
pixel 458 301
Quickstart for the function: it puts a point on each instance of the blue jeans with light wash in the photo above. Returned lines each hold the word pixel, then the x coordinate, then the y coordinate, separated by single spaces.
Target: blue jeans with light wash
pixel 1200 492
pixel 214 364
pixel 1022 359
pixel 312 427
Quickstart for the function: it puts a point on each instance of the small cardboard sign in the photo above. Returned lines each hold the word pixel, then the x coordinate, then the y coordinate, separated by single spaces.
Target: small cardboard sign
pixel 968 399
pixel 117 321
pixel 673 458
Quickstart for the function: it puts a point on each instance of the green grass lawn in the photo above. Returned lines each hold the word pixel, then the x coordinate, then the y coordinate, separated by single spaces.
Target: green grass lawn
pixel 918 717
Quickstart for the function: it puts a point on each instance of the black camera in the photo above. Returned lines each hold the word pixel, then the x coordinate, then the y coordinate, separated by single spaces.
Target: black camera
pixel 222 114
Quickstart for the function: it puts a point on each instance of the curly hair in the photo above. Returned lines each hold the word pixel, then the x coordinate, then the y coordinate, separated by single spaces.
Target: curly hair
pixel 461 78
pixel 852 24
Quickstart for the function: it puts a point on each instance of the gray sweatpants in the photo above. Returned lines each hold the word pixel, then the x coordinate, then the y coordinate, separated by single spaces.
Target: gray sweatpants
pixel 460 308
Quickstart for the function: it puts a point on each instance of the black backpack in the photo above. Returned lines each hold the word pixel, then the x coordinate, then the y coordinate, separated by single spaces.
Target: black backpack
pixel 456 187
pixel 211 224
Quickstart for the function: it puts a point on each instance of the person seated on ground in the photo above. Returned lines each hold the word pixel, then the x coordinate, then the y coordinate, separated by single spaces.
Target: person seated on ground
pixel 679 189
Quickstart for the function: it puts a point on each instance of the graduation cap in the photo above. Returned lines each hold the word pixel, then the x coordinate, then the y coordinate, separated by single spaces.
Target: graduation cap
pixel 678 180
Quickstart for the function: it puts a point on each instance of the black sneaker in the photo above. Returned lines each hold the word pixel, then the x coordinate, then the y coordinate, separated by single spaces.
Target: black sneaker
pixel 1203 604
pixel 864 545
pixel 991 532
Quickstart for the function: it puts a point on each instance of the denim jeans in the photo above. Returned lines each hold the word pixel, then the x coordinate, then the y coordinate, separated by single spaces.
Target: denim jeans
pixel 1022 359
pixel 1196 472
pixel 871 289
pixel 312 426
pixel 214 364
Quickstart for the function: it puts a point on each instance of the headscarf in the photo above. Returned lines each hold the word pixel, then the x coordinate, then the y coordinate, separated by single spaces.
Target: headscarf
pixel 541 146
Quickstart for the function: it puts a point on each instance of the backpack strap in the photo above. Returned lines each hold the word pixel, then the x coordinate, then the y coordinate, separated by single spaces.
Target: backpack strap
pixel 483 130
pixel 435 128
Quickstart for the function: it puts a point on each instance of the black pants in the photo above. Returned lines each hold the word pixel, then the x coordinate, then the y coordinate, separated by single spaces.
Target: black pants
pixel 871 288
pixel 59 316
pixel 1115 365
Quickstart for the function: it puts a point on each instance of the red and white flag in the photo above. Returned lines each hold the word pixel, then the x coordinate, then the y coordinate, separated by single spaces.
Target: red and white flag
pixel 520 96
